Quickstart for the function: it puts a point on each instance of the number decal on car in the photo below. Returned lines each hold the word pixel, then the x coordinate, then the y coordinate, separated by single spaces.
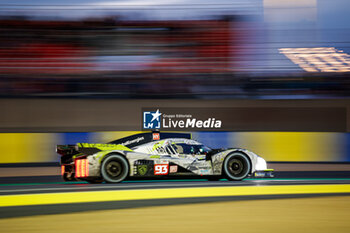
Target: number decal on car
pixel 161 169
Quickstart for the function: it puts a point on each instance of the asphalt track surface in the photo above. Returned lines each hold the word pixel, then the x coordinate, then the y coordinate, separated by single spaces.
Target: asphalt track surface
pixel 87 197
pixel 60 187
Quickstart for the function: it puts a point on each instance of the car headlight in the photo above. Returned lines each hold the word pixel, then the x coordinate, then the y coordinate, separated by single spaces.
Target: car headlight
pixel 260 164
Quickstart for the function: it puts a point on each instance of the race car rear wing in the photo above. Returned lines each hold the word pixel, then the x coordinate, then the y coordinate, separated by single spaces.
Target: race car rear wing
pixel 67 153
pixel 70 152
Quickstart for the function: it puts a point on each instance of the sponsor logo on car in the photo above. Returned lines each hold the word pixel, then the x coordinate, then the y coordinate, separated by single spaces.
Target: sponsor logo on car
pixel 136 140
pixel 204 171
pixel 173 169
pixel 142 170
pixel 156 136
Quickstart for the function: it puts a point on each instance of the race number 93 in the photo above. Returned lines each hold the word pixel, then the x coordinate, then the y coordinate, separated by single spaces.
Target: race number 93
pixel 161 169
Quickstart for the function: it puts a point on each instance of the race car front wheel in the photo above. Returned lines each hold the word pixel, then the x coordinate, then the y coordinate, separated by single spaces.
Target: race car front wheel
pixel 114 168
pixel 236 166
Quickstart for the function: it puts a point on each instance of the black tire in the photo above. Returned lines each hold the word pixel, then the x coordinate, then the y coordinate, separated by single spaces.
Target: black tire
pixel 114 168
pixel 237 166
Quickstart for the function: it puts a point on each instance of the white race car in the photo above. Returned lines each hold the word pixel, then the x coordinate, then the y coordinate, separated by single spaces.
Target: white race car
pixel 154 155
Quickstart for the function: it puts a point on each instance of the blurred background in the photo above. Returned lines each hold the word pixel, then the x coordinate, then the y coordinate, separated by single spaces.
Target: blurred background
pixel 105 53
pixel 272 146
pixel 82 71
pixel 260 49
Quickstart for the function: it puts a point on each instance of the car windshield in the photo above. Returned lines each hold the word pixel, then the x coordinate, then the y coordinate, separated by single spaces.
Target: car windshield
pixel 182 148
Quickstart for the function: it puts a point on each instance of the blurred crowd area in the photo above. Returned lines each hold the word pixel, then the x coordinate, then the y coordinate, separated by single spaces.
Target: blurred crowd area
pixel 272 146
pixel 126 54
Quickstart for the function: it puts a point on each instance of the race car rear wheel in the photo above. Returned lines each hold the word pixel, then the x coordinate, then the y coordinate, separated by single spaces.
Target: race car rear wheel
pixel 114 168
pixel 236 166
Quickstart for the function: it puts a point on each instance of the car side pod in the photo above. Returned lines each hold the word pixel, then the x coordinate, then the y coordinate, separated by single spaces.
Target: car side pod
pixel 267 173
